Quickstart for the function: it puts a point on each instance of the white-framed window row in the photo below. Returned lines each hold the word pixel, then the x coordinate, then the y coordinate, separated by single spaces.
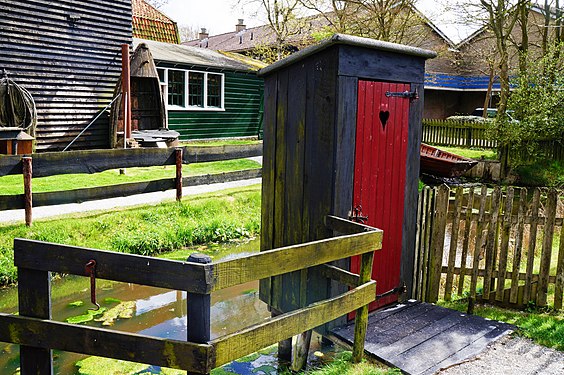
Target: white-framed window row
pixel 192 90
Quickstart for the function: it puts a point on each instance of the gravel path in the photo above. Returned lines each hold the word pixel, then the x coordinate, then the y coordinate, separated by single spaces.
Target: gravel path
pixel 512 356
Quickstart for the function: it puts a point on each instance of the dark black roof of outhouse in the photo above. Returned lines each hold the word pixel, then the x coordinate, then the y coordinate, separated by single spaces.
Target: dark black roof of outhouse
pixel 351 41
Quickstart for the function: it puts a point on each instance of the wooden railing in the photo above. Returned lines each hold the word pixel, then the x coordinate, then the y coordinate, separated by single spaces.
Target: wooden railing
pixel 456 133
pixel 491 244
pixel 37 334
pixel 56 163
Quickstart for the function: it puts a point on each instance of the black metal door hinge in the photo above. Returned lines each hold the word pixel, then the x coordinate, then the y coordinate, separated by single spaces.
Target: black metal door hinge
pixel 411 95
pixel 398 290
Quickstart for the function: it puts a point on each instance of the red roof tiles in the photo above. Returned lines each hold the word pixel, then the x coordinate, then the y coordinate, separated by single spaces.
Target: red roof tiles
pixel 150 23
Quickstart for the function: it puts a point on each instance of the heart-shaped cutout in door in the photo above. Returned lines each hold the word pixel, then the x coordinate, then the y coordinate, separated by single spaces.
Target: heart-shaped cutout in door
pixel 384 116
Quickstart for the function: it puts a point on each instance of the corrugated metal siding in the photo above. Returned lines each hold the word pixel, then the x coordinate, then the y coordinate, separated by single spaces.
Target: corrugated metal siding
pixel 242 116
pixel 71 69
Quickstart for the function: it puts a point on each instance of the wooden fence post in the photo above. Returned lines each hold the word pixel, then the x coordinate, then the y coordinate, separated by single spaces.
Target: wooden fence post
pixel 34 299
pixel 528 294
pixel 491 242
pixel 178 154
pixel 437 243
pixel 199 310
pixel 453 243
pixel 361 319
pixel 28 195
pixel 550 215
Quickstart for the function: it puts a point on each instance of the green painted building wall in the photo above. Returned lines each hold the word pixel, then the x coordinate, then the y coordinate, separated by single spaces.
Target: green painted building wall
pixel 242 116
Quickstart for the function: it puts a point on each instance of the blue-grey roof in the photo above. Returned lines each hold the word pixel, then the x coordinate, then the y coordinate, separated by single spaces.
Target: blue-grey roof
pixel 348 40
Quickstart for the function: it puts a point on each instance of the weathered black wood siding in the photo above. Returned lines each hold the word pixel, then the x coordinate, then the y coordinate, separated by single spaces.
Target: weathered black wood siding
pixel 70 67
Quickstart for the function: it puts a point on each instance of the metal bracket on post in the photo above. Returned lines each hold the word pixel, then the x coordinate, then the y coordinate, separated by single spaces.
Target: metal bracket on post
pixel 411 95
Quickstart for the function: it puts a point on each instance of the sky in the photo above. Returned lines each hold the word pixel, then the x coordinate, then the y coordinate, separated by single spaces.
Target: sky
pixel 218 16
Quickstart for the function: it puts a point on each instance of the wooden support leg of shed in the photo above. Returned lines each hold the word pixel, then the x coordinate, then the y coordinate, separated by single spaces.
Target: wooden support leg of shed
pixel 300 351
pixel 284 346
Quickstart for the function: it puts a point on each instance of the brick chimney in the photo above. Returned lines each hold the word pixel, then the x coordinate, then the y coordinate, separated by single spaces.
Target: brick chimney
pixel 240 25
pixel 203 33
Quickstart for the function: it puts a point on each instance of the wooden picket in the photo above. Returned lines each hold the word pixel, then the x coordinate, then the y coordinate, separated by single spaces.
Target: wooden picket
pixel 501 245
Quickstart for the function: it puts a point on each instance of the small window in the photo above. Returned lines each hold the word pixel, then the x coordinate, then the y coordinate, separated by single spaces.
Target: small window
pixel 214 90
pixel 196 89
pixel 176 87
pixel 161 73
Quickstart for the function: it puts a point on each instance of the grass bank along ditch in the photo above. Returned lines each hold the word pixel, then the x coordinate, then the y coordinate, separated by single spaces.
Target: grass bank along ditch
pixel 147 230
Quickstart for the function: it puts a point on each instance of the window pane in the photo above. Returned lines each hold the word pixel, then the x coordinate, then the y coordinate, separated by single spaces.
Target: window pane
pixel 214 90
pixel 161 74
pixel 196 89
pixel 176 87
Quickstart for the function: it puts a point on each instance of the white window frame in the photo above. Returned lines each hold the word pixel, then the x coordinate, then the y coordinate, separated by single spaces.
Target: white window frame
pixel 187 107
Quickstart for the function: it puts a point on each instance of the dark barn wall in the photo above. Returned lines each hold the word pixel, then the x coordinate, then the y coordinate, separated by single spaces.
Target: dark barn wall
pixel 67 53
pixel 440 104
pixel 243 110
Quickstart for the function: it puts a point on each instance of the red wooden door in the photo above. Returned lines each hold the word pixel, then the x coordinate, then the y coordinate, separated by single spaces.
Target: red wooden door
pixel 379 176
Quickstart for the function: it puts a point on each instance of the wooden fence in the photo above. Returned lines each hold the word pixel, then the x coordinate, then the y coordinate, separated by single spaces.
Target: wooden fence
pixel 500 245
pixel 37 334
pixel 456 133
pixel 55 163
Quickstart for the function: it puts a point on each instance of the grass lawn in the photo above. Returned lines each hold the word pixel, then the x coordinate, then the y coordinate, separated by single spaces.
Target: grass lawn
pixel 14 184
pixel 473 153
pixel 221 142
pixel 147 230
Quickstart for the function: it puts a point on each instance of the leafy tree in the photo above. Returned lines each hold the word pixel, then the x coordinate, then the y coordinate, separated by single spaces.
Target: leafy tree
pixel 538 103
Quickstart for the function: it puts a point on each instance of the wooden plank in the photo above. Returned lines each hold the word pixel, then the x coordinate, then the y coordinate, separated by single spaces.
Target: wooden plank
pixel 178 178
pixel 346 226
pixel 518 248
pixel 438 237
pixel 478 244
pixel 414 112
pixel 504 248
pixel 466 240
pixel 559 287
pixel 251 339
pixel 471 351
pixel 106 343
pixel 28 197
pixel 92 161
pixel 521 276
pixel 457 337
pixel 453 242
pixel 137 269
pixel 361 318
pixel 416 285
pixel 528 292
pixel 268 166
pixel 544 273
pixel 291 258
pixel 34 300
pixel 430 203
pixel 340 275
pixel 491 242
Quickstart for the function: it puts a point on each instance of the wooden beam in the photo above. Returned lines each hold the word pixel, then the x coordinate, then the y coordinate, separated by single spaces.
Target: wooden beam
pixel 249 340
pixel 346 226
pixel 342 276
pixel 137 269
pixel 292 258
pixel 49 334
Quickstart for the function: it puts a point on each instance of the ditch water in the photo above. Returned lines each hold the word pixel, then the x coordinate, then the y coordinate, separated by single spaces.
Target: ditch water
pixel 155 312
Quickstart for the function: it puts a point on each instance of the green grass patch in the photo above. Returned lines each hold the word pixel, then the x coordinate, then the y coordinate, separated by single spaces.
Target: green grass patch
pixel 13 184
pixel 545 327
pixel 221 142
pixel 543 173
pixel 342 365
pixel 147 230
pixel 473 153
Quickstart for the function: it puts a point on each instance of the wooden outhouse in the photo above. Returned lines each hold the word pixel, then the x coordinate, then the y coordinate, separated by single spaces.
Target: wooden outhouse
pixel 342 132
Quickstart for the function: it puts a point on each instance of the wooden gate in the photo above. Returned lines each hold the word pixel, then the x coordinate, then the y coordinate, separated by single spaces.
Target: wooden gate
pixel 379 175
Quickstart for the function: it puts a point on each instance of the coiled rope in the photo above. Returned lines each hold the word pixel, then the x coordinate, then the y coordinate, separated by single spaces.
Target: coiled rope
pixel 17 107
